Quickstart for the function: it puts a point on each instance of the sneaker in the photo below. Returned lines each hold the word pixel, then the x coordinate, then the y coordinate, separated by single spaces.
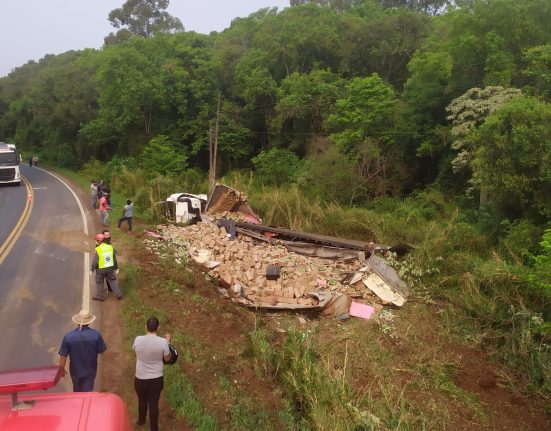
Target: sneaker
pixel 97 298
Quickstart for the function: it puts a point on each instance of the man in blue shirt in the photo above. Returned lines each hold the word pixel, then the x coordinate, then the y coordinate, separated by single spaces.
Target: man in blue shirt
pixel 82 345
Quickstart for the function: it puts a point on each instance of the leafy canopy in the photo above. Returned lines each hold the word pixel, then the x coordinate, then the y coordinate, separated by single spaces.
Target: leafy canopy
pixel 142 18
pixel 513 158
pixel 160 156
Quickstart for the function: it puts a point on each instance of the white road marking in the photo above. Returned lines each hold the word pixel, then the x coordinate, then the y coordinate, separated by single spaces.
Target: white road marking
pixel 85 280
pixel 40 188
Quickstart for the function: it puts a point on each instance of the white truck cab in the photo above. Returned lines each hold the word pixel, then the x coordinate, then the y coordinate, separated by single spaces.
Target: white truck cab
pixel 9 164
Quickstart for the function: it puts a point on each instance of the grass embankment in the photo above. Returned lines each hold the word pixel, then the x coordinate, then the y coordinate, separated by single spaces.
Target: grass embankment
pixel 488 304
pixel 210 386
pixel 178 389
pixel 416 368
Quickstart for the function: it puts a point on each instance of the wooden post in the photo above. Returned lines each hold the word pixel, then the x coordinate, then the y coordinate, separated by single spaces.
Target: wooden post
pixel 214 148
pixel 211 151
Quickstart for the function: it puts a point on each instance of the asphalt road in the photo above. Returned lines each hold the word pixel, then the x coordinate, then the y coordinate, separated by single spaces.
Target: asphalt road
pixel 43 279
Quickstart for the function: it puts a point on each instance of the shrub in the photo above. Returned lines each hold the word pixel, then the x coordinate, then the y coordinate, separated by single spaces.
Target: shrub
pixel 277 166
pixel 521 239
pixel 160 156
pixel 333 178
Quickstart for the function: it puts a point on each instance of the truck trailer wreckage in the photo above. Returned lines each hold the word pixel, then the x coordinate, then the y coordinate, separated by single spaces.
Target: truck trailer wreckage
pixel 267 267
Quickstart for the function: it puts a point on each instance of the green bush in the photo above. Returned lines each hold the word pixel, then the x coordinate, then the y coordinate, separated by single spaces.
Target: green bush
pixel 277 166
pixel 94 170
pixel 332 177
pixel 538 275
pixel 160 156
pixel 65 157
pixel 521 240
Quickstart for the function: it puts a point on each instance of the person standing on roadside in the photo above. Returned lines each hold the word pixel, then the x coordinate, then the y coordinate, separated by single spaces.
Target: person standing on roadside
pixel 148 381
pixel 100 188
pixel 31 161
pixel 107 191
pixel 127 213
pixel 104 263
pixel 103 214
pixel 107 240
pixel 82 345
pixel 35 160
pixel 94 194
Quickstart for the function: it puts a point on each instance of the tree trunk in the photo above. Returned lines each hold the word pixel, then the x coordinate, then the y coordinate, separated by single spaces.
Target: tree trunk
pixel 483 200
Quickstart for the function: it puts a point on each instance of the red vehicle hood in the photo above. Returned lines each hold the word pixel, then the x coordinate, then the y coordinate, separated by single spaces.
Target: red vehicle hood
pixel 84 411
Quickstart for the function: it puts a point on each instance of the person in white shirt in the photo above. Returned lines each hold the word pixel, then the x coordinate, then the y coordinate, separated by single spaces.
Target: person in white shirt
pixel 94 194
pixel 127 214
pixel 148 382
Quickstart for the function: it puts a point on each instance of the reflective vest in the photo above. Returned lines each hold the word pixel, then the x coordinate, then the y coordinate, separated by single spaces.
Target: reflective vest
pixel 106 256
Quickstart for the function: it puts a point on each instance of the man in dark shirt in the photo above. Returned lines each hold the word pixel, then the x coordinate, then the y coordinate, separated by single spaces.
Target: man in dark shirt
pixel 82 345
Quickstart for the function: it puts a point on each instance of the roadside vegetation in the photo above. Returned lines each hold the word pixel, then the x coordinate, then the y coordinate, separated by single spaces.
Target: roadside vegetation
pixel 422 122
pixel 417 368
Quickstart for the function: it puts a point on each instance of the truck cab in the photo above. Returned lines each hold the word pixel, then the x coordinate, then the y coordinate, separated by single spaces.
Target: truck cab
pixel 9 164
pixel 74 411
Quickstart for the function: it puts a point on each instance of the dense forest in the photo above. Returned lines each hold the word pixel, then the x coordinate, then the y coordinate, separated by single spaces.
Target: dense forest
pixel 351 101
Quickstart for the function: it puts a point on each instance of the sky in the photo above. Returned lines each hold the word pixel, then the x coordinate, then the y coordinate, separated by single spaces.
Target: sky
pixel 30 29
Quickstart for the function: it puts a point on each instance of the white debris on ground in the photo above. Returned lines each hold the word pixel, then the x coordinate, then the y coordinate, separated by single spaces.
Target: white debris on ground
pixel 305 282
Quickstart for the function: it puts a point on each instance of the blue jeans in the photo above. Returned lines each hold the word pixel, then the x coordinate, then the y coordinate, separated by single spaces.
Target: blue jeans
pixel 103 215
pixel 83 384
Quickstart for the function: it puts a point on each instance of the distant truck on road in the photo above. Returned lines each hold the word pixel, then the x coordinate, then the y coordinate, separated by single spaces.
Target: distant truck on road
pixel 9 164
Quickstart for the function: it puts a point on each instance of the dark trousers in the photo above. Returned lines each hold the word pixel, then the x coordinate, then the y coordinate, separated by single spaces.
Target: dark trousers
pixel 83 384
pixel 149 392
pixel 128 219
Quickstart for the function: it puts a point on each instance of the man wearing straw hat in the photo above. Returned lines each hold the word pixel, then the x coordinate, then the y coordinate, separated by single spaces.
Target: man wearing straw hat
pixel 82 345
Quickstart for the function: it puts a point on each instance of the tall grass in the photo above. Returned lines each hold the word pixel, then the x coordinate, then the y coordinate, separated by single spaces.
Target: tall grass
pixel 318 401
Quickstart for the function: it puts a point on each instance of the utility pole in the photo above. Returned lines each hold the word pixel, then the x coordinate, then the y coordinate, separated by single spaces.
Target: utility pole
pixel 213 147
pixel 211 152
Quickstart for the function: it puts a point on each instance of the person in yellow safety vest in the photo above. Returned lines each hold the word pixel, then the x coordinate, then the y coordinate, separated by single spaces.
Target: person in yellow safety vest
pixel 107 240
pixel 104 263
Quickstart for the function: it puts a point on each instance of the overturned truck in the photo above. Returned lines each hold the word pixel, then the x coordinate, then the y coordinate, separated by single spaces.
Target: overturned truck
pixel 275 268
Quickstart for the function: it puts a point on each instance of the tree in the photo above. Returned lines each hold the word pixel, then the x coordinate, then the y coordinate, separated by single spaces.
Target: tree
pixel 160 156
pixel 468 112
pixel 363 122
pixel 338 5
pixel 142 18
pixel 425 91
pixel 47 114
pixel 382 43
pixel 429 7
pixel 513 158
pixel 132 93
pixel 367 111
pixel 304 103
pixel 254 79
pixel 538 69
pixel 300 39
